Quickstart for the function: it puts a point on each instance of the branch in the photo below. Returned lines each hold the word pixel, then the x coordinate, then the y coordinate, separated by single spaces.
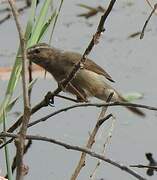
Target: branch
pixel 144 27
pixel 5 18
pixel 79 149
pixel 144 166
pixel 92 105
pixel 108 138
pixel 94 41
pixel 91 139
pixel 151 6
pixel 20 142
pixel 18 122
pixel 14 164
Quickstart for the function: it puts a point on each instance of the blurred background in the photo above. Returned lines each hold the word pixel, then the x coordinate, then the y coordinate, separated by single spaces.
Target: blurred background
pixel 132 64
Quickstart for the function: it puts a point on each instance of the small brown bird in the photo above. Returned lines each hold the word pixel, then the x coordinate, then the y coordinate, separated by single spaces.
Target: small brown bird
pixel 88 81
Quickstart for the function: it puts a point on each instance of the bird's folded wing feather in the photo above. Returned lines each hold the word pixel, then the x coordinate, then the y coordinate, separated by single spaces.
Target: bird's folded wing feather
pixel 73 58
pixel 90 65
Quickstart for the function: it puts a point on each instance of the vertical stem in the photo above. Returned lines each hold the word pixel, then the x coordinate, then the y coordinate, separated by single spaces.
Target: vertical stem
pixel 20 142
pixel 56 18
pixel 7 158
pixel 90 141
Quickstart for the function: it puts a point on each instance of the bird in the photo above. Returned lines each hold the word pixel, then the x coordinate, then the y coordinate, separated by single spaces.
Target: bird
pixel 89 81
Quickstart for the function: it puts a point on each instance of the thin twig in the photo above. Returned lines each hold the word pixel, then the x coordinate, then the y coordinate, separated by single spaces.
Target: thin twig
pixel 14 164
pixel 37 107
pixel 144 166
pixel 94 41
pixel 5 18
pixel 91 140
pixel 54 25
pixel 56 18
pixel 93 174
pixel 79 149
pixel 92 105
pixel 150 4
pixel 144 27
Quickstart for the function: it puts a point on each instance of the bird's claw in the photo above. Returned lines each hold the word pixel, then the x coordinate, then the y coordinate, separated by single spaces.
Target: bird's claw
pixel 49 99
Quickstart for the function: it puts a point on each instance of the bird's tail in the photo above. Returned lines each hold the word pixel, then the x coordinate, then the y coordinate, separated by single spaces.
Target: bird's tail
pixel 105 93
pixel 132 109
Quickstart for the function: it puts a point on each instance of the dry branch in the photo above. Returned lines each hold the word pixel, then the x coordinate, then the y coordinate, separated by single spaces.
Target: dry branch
pixel 79 149
pixel 144 27
pixel 91 139
pixel 14 126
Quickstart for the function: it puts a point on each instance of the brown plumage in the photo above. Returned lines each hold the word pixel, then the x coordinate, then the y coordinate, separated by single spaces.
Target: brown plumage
pixel 88 81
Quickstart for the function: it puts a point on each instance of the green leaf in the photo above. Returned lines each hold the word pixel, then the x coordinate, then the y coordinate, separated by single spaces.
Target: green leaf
pixel 12 103
pixel 7 157
pixel 46 25
pixel 133 96
pixel 32 35
pixel 16 72
pixel 31 19
pixel 39 23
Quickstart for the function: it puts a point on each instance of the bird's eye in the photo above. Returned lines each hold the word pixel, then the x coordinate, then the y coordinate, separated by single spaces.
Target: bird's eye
pixel 37 51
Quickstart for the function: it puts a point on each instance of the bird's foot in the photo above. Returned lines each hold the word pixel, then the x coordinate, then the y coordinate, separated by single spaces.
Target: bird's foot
pixel 49 99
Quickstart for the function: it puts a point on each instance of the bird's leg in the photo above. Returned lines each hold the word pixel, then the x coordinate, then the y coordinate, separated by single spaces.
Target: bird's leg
pixel 79 99
pixel 49 99
pixel 80 96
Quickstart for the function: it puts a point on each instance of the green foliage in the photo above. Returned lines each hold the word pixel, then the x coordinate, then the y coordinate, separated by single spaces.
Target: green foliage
pixel 35 30
pixel 133 96
pixel 7 158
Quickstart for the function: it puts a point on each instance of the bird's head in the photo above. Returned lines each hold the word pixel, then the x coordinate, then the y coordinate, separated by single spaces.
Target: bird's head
pixel 41 54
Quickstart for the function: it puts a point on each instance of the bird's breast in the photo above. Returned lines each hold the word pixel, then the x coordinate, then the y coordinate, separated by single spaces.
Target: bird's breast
pixel 90 81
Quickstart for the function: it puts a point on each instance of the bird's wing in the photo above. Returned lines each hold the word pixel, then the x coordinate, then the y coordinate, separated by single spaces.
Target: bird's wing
pixel 92 66
pixel 73 58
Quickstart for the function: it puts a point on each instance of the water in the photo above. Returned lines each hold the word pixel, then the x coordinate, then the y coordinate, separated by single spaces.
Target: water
pixel 132 64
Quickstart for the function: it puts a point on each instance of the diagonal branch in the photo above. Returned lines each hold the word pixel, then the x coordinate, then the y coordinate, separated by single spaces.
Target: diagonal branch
pixel 145 24
pixel 91 139
pixel 18 122
pixel 79 149
pixel 92 105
